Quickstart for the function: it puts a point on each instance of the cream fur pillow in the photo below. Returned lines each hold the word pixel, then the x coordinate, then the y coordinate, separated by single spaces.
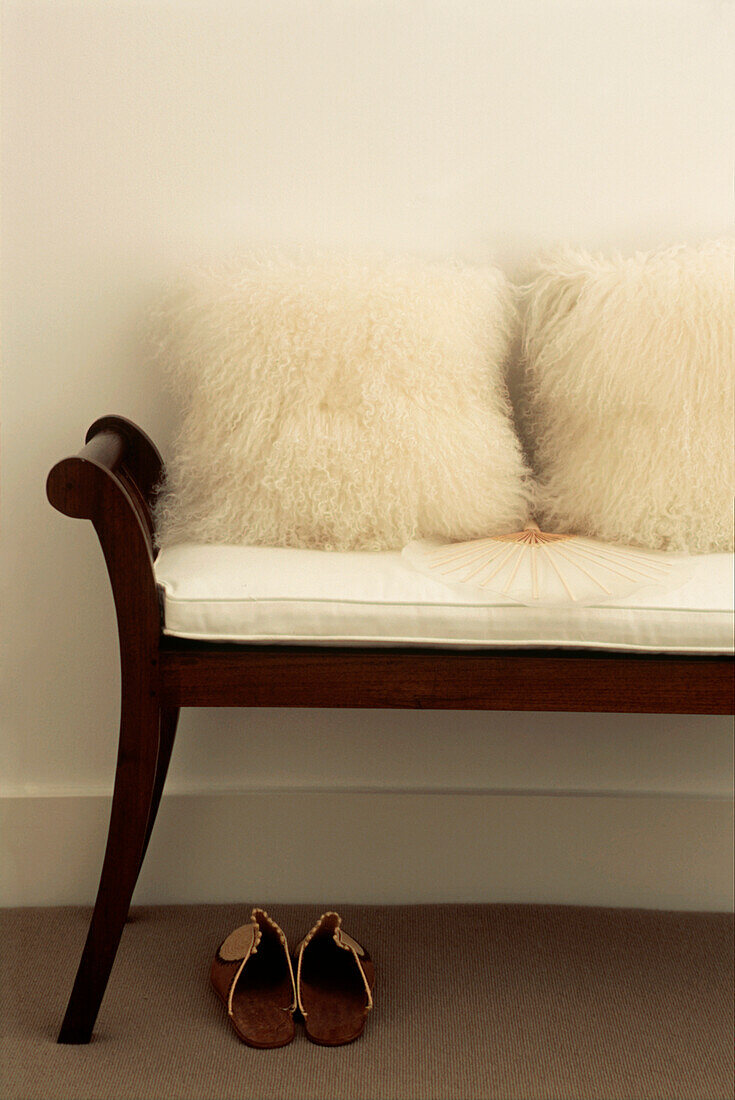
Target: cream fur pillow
pixel 628 396
pixel 341 404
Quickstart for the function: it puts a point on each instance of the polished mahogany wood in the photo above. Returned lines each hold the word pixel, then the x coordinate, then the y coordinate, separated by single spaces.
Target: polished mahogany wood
pixel 93 485
pixel 112 482
pixel 167 735
pixel 140 456
pixel 131 803
pixel 196 675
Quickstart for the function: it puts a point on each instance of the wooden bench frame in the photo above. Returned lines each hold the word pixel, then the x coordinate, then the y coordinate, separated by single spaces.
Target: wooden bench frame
pixel 111 482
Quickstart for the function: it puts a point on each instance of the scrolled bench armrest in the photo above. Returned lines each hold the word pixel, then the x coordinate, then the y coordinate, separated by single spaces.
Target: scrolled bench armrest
pixel 106 447
pixel 140 457
pixel 111 482
pixel 123 450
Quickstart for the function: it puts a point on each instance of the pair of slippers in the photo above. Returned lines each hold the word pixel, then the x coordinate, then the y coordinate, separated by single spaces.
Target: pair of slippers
pixel 329 981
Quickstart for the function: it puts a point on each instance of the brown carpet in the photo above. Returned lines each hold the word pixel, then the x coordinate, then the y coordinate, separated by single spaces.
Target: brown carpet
pixel 511 1001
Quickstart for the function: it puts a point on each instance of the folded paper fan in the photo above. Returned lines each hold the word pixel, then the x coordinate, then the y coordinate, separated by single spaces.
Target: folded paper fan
pixel 536 567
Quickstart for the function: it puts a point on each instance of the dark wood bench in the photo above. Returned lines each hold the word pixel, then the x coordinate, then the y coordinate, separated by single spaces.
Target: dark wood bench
pixel 111 482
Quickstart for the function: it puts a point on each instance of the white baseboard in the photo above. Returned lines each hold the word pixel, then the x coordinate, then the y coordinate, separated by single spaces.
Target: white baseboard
pixel 666 852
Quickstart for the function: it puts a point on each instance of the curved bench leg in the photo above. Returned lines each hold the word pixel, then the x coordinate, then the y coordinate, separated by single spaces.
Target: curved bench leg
pixel 135 782
pixel 167 735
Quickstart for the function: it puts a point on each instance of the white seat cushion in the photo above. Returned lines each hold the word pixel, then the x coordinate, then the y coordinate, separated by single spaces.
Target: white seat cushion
pixel 312 597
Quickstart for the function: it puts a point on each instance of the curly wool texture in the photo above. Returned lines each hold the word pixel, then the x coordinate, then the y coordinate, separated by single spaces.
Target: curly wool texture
pixel 340 403
pixel 628 399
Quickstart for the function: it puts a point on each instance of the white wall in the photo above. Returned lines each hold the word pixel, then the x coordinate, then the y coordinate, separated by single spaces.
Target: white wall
pixel 141 135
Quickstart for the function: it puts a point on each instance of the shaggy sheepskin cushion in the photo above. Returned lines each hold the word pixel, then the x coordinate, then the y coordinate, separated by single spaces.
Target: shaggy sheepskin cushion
pixel 628 396
pixel 340 403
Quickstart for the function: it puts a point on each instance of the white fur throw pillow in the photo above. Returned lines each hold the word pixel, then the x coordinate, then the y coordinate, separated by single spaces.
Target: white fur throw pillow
pixel 340 403
pixel 628 396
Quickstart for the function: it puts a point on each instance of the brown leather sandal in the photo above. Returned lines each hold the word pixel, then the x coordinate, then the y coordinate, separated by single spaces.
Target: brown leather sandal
pixel 334 981
pixel 253 977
